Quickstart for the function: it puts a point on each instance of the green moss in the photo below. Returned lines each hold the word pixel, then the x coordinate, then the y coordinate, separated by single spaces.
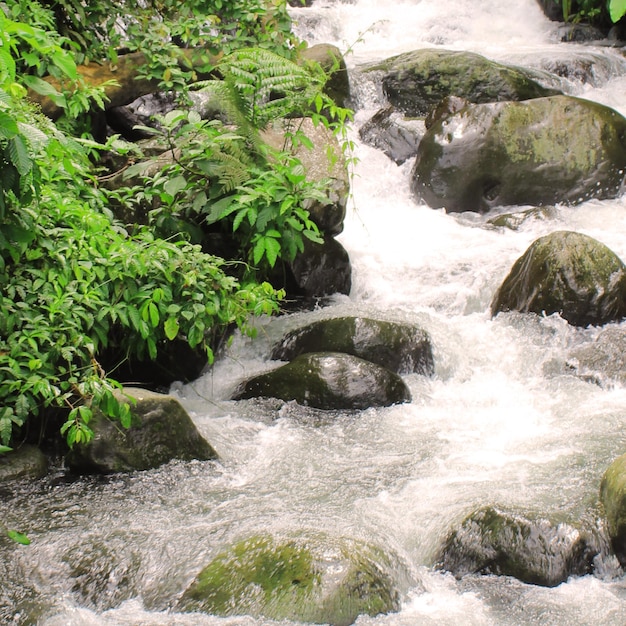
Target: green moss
pixel 311 579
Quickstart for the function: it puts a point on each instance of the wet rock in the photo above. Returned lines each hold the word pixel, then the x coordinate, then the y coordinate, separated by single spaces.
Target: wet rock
pixel 161 431
pixel 389 131
pixel 613 499
pixel 552 9
pixel 491 541
pixel 25 462
pixel 416 81
pixel 329 381
pixel 517 219
pixel 321 270
pixel 309 578
pixel 543 151
pixel 567 273
pixel 603 361
pixel 401 348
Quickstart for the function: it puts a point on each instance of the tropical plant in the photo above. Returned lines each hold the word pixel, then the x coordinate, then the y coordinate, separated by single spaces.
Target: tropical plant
pixel 72 280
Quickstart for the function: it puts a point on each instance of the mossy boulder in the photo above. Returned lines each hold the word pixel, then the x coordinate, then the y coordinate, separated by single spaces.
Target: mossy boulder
pixel 537 551
pixel 313 579
pixel 161 431
pixel 401 348
pixel 416 81
pixel 613 499
pixel 567 273
pixel 329 381
pixel 544 151
pixel 25 462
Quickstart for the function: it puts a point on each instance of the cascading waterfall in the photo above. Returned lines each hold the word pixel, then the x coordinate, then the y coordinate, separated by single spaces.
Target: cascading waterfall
pixel 500 423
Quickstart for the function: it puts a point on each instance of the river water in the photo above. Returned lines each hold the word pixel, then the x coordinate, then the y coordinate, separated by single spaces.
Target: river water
pixel 500 422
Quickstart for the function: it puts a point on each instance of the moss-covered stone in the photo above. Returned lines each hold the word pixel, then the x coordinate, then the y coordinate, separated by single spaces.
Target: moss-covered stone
pixel 613 498
pixel 308 578
pixel 401 348
pixel 161 431
pixel 329 381
pixel 567 273
pixel 491 541
pixel 539 152
pixel 416 81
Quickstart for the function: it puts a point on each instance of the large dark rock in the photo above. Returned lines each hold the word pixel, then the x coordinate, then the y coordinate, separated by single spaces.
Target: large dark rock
pixel 491 541
pixel 161 431
pixel 312 578
pixel 567 273
pixel 401 348
pixel 25 462
pixel 329 381
pixel 543 151
pixel 613 498
pixel 321 270
pixel 416 81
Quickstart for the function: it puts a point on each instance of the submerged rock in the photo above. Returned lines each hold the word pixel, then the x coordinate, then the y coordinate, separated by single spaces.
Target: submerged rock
pixel 313 578
pixel 491 541
pixel 329 381
pixel 401 348
pixel 543 151
pixel 613 498
pixel 414 82
pixel 567 273
pixel 161 431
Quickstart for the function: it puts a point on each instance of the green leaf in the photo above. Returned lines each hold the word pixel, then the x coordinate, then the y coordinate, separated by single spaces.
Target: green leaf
pixel 39 85
pixel 174 185
pixel 617 9
pixel 8 126
pixel 65 63
pixel 5 449
pixel 171 328
pixel 18 537
pixel 18 153
pixel 153 312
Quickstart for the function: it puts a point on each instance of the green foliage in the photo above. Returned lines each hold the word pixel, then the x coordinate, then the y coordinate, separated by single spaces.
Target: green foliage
pixel 268 211
pixel 214 174
pixel 73 282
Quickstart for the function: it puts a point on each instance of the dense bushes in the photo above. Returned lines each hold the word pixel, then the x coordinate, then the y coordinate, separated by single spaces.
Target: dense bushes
pixel 73 279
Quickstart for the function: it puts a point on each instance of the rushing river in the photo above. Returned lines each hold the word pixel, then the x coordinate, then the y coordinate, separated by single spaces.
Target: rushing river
pixel 499 423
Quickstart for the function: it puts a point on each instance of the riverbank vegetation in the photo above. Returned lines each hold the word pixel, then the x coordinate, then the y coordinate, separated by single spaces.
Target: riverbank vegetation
pixel 76 280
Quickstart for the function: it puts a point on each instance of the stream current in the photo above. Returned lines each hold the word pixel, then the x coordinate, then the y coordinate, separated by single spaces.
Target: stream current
pixel 500 423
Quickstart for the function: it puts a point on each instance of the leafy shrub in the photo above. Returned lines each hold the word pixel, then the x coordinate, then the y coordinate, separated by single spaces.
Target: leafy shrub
pixel 72 279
